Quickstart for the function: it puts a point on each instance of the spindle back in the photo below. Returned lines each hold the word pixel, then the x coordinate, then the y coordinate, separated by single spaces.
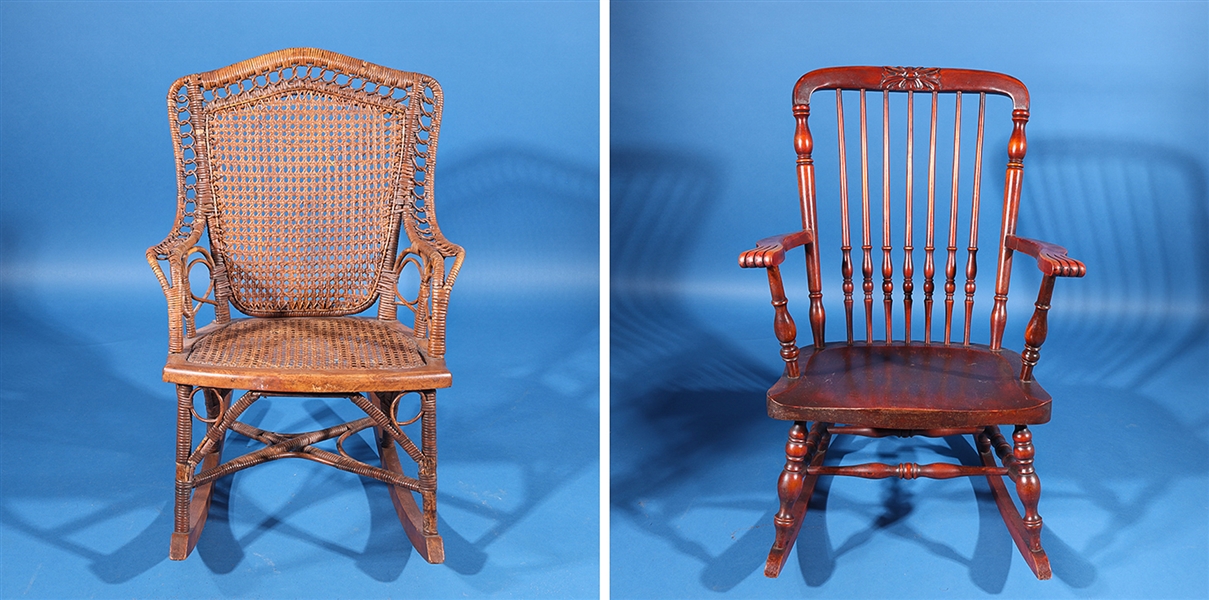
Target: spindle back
pixel 872 85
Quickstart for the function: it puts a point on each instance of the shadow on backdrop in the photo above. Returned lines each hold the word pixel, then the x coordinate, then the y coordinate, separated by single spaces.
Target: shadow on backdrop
pixel 683 395
pixel 1138 214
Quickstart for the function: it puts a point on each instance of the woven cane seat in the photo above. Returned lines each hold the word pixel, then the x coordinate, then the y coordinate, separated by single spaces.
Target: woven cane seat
pixel 308 343
pixel 300 353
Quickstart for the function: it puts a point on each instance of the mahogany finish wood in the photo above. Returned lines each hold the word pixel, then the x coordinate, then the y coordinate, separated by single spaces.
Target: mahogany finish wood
pixel 303 169
pixel 916 385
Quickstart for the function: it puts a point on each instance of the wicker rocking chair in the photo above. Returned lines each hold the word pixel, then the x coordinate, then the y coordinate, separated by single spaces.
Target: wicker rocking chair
pixel 303 166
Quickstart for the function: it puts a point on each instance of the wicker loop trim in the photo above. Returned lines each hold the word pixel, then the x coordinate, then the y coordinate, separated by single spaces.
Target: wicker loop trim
pixel 211 421
pixel 394 411
pixel 359 426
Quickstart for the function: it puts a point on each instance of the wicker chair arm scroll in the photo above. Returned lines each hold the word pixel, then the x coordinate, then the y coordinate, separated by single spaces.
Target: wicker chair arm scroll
pixel 1051 258
pixel 175 250
pixel 770 251
pixel 436 282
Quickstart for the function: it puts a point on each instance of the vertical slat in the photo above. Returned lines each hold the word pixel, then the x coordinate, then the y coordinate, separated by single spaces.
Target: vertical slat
pixel 887 266
pixel 972 250
pixel 951 263
pixel 908 267
pixel 866 242
pixel 846 240
pixel 930 242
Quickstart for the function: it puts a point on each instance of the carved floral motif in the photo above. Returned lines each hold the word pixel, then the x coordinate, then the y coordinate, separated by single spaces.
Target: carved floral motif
pixel 910 78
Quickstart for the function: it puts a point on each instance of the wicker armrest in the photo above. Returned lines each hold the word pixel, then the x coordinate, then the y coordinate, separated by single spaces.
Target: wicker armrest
pixel 436 283
pixel 175 250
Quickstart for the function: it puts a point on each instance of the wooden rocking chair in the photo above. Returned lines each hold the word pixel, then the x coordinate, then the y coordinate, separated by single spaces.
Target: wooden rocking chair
pixel 908 386
pixel 303 166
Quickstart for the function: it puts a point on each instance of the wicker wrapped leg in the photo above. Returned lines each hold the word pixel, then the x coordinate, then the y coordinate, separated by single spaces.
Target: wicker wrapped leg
pixel 421 526
pixel 180 546
pixel 192 508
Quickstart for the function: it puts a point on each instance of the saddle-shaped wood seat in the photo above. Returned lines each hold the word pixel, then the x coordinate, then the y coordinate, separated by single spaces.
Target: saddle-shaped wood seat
pixel 909 386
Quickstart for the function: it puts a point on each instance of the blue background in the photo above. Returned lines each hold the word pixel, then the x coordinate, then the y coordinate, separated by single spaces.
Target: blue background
pixel 702 167
pixel 87 184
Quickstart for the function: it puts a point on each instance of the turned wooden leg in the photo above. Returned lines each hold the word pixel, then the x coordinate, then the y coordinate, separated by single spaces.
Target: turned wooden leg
pixel 179 548
pixel 794 488
pixel 1018 459
pixel 1028 485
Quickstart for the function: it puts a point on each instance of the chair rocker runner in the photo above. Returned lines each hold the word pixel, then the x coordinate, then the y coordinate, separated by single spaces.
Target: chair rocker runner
pixel 910 386
pixel 304 167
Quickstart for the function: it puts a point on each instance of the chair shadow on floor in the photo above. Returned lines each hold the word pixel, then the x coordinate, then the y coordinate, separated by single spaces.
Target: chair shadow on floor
pixel 689 395
pixel 135 477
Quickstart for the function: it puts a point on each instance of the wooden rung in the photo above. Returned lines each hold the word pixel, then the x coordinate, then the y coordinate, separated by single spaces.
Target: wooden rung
pixel 906 471
pixel 877 432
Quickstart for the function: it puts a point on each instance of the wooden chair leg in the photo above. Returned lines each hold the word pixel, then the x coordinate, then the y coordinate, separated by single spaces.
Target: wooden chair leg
pixel 795 488
pixel 193 505
pixel 420 525
pixel 1026 531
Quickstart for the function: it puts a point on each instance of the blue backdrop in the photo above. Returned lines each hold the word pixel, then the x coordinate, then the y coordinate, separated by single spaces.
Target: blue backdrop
pixel 703 166
pixel 87 183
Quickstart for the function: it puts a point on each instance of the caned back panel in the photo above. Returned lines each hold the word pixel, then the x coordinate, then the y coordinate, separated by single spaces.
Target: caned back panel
pixel 870 90
pixel 304 165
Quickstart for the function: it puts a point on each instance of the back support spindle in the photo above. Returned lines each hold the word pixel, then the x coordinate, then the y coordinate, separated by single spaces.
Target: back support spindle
pixel 951 262
pixel 846 239
pixel 972 250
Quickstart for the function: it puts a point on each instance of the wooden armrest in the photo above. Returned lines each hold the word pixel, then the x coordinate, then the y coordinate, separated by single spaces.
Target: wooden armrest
pixel 770 251
pixel 1051 258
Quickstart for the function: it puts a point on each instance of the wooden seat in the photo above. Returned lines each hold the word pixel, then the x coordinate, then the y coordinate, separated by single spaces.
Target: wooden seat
pixel 303 169
pixel 934 382
pixel 909 386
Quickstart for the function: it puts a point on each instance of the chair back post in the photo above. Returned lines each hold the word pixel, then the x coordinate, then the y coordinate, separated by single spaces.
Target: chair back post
pixel 803 145
pixel 1017 145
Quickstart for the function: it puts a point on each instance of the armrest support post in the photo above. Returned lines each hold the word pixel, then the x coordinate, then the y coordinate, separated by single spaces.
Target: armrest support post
pixel 1038 328
pixel 1053 262
pixel 769 253
pixel 783 324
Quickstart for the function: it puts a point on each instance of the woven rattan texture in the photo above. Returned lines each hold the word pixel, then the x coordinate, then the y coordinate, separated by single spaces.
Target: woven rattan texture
pixel 302 185
pixel 308 344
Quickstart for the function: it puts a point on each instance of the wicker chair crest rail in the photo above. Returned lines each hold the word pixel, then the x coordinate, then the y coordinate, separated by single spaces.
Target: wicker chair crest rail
pixel 302 169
